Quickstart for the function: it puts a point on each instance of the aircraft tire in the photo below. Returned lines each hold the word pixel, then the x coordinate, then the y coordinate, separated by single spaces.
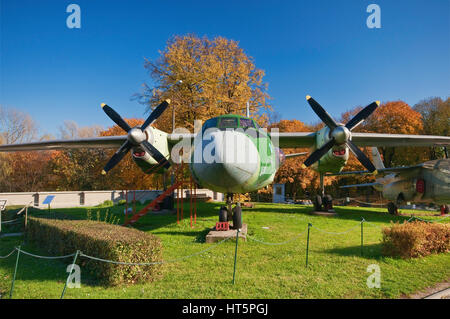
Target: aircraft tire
pixel 328 202
pixel 392 208
pixel 223 214
pixel 237 217
pixel 317 202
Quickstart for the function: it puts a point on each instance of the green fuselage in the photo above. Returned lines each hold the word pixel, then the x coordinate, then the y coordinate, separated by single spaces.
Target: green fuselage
pixel 232 154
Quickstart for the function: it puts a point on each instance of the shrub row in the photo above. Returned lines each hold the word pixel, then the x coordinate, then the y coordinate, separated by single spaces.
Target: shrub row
pixel 102 240
pixel 416 239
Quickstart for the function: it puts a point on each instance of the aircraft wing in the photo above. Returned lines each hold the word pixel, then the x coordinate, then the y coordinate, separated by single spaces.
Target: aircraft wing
pixel 294 139
pixel 308 139
pixel 95 142
pixel 375 139
pixel 361 185
pixel 390 170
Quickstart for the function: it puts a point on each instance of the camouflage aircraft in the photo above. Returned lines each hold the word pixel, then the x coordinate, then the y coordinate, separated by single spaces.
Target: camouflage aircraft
pixel 427 182
pixel 215 151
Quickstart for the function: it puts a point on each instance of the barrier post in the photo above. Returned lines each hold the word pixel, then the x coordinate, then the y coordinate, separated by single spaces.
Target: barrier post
pixel 15 272
pixel 362 235
pixel 235 255
pixel 70 272
pixel 307 244
pixel 26 217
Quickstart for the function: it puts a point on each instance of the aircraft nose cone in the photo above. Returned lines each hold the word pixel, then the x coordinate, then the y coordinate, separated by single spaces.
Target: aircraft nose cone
pixel 341 134
pixel 136 136
pixel 230 161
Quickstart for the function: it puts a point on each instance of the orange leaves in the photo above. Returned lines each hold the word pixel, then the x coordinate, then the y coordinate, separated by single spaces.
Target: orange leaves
pixel 217 78
pixel 116 130
pixel 394 117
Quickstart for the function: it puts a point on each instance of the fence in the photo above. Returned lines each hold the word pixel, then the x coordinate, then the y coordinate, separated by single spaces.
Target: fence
pixel 308 230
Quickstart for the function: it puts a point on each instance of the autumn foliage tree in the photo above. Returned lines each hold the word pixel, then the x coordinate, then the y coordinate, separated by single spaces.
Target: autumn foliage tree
pixel 436 120
pixel 204 78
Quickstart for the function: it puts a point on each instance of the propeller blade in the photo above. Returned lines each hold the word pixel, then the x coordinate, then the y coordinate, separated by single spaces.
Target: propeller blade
pixel 362 115
pixel 113 115
pixel 361 156
pixel 115 159
pixel 155 114
pixel 321 113
pixel 318 153
pixel 153 152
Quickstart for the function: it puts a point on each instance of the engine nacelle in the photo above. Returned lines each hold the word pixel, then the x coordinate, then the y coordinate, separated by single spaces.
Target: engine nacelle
pixel 335 159
pixel 145 162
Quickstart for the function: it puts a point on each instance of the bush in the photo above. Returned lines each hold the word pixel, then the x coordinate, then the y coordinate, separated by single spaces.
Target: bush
pixel 416 239
pixel 102 240
pixel 106 203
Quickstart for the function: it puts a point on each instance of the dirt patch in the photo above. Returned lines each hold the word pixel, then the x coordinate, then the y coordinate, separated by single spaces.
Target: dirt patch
pixel 429 291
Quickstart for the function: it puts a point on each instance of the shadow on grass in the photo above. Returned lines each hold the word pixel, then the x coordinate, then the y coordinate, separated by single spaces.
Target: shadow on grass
pixel 372 251
pixel 200 236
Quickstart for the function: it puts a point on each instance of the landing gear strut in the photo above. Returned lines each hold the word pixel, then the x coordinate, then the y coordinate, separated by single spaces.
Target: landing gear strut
pixel 392 208
pixel 228 213
pixel 322 202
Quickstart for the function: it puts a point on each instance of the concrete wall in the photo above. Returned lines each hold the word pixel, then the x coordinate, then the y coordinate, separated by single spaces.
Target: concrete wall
pixel 91 198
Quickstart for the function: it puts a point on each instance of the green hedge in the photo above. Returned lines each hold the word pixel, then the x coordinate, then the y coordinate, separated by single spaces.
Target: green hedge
pixel 102 240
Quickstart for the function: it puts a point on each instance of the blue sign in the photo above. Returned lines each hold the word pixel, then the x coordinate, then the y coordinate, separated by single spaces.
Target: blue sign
pixel 48 199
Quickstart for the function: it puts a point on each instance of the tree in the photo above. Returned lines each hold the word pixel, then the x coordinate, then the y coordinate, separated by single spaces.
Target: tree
pixel 436 120
pixel 204 78
pixel 16 126
pixel 78 169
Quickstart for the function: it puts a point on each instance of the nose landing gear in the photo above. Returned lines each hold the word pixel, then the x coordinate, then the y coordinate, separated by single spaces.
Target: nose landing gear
pixel 322 202
pixel 228 213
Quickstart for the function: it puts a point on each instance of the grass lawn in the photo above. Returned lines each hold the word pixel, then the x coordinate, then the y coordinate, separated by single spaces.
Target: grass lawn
pixel 336 267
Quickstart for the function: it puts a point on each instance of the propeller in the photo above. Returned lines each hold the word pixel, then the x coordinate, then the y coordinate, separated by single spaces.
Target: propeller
pixel 137 136
pixel 340 134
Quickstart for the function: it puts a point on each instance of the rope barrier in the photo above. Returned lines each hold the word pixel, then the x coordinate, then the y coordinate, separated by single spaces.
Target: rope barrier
pixel 12 252
pixel 12 221
pixel 45 257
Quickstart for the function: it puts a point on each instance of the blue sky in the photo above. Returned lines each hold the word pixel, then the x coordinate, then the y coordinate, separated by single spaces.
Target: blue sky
pixel 320 48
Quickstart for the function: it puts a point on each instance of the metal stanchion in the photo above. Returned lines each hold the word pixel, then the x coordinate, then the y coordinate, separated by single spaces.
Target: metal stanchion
pixel 235 255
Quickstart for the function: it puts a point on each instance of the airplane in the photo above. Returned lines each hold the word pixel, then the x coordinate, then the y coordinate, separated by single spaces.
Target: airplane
pixel 428 182
pixel 225 137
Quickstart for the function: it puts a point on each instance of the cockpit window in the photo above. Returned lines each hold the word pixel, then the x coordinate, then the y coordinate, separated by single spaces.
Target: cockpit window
pixel 209 123
pixel 228 122
pixel 246 123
